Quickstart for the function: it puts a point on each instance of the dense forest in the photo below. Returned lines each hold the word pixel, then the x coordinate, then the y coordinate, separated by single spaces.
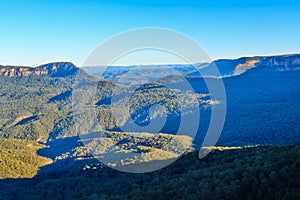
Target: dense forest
pixel 52 129
pixel 263 172
pixel 40 107
pixel 19 158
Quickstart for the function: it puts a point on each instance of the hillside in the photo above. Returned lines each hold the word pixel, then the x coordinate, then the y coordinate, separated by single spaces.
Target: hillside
pixel 19 158
pixel 264 172
pixel 39 106
pixel 79 119
pixel 22 159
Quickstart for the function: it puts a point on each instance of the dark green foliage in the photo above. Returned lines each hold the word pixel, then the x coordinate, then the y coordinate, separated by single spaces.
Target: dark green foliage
pixel 261 109
pixel 40 107
pixel 263 172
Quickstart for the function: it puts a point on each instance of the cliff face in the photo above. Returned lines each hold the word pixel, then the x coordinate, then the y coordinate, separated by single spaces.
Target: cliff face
pixel 225 67
pixel 282 63
pixel 265 63
pixel 60 69
pixel 248 64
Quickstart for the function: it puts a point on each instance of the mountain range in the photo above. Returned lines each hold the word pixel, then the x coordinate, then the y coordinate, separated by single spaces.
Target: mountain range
pixel 36 103
pixel 57 119
pixel 226 68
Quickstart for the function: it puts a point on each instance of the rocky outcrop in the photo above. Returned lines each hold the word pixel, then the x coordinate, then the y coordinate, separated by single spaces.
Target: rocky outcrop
pixel 250 63
pixel 228 68
pixel 59 69
pixel 225 67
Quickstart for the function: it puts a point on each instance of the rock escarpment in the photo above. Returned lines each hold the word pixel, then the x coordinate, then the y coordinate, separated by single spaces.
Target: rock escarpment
pixel 59 69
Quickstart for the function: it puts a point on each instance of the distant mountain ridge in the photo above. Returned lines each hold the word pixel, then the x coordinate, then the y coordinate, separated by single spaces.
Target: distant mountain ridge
pixel 44 97
pixel 270 63
pixel 37 106
pixel 57 69
pixel 226 68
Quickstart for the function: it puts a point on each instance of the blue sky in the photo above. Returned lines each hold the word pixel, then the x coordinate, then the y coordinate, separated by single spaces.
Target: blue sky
pixel 37 32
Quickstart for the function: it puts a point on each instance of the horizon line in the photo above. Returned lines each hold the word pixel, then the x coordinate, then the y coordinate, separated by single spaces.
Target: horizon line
pixel 154 64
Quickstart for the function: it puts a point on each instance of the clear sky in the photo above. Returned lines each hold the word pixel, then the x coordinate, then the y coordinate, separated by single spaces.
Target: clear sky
pixel 40 31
